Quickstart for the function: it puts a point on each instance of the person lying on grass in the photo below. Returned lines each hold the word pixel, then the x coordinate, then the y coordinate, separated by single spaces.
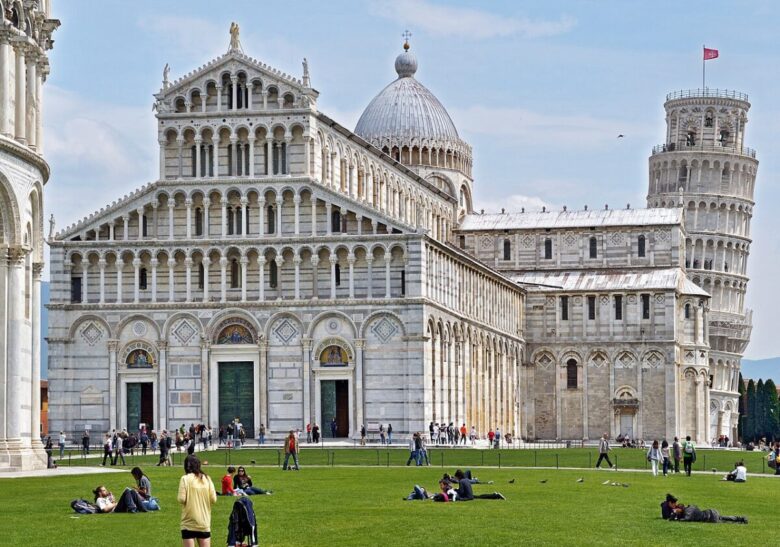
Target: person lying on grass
pixel 692 513
pixel 130 501
pixel 446 493
pixel 464 491
pixel 467 474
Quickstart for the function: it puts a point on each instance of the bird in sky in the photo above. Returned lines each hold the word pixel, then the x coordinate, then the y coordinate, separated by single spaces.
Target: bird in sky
pixel 620 136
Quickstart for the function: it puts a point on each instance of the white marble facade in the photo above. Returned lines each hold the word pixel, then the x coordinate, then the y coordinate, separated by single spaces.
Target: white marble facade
pixel 25 37
pixel 331 269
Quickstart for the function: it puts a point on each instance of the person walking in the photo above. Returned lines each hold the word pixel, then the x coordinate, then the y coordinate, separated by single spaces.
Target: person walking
pixel 413 449
pixel 164 448
pixel 776 453
pixel 61 444
pixel 261 434
pixel 107 447
pixel 290 449
pixel 315 433
pixel 49 449
pixel 333 427
pixel 363 435
pixel 85 443
pixel 308 433
pixel 389 433
pixel 119 450
pixel 473 436
pixel 196 496
pixel 665 457
pixel 689 454
pixel 604 451
pixel 654 456
pixel 463 433
pixel 676 454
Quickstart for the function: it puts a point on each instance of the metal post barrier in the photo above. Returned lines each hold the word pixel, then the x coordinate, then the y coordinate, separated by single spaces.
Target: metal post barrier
pixel 616 462
pixel 534 458
pixel 499 460
pixel 704 462
pixel 332 458
pixel 442 457
pixel 483 457
pixel 556 461
pixel 388 458
pixel 278 458
pixel 590 459
pixel 377 458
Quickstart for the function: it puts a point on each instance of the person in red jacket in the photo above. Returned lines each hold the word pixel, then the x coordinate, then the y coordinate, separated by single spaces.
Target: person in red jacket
pixel 227 483
pixel 491 436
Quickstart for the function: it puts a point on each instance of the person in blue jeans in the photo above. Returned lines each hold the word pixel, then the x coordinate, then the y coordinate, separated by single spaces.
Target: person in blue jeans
pixel 389 433
pixel 290 449
pixel 413 455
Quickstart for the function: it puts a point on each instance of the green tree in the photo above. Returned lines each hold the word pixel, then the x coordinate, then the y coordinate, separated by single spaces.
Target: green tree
pixel 773 410
pixel 760 410
pixel 750 420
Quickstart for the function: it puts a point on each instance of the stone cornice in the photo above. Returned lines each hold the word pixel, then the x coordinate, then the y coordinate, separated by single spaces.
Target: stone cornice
pixel 19 150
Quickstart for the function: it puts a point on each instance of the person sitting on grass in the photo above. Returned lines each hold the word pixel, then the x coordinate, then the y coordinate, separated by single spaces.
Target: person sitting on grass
pixel 227 484
pixel 739 474
pixel 446 493
pixel 144 489
pixel 692 513
pixel 129 502
pixel 465 493
pixel 469 477
pixel 243 482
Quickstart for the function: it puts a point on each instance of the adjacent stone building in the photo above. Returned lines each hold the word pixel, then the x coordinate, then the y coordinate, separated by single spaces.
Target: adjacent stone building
pixel 284 270
pixel 25 37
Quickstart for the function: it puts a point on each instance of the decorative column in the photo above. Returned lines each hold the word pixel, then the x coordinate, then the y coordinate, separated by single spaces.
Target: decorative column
pixel 113 403
pixel 297 262
pixel 206 264
pixel 198 141
pixel 359 219
pixel 219 98
pixel 188 205
pixel 249 87
pixel 307 155
pixel 85 281
pixel 264 93
pixel 286 150
pixel 269 156
pixel 171 292
pixel 387 275
pixel 315 290
pixel 140 213
pixel 102 267
pixel 180 148
pixel 261 267
pixel 5 91
pixel 233 90
pixel 223 279
pixel 171 206
pixel 16 349
pixel 243 227
pixel 126 221
pixel 111 228
pixel 154 263
pixel 333 261
pixel 263 384
pixel 370 262
pixel 297 202
pixel 155 221
pixel 162 143
pixel 223 202
pixel 279 204
pixel 313 215
pixel 162 385
pixel 206 207
pixel 204 382
pixel 306 358
pixel 35 407
pixel 119 264
pixel 244 263
pixel 136 289
pixel 359 405
pixel 261 210
pixel 32 104
pixel 188 279
pixel 328 218
pixel 251 153
pixel 351 262
pixel 21 108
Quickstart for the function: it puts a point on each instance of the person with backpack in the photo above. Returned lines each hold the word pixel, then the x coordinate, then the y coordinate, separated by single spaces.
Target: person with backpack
pixel 290 449
pixel 242 526
pixel 85 443
pixel 689 454
pixel 144 442
pixel 196 496
pixel 677 454
pixel 773 460
pixel 107 446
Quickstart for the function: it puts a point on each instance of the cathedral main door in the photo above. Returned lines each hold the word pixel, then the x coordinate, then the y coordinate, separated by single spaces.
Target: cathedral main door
pixel 236 395
pixel 335 404
pixel 140 405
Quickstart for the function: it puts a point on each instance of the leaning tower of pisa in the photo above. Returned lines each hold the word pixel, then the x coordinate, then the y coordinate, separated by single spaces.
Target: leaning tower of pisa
pixel 705 167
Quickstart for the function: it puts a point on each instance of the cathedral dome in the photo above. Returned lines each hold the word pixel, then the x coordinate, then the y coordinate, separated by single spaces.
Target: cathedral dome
pixel 405 112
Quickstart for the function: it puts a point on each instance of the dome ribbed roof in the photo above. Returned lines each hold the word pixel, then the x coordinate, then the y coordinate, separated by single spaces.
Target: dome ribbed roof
pixel 405 110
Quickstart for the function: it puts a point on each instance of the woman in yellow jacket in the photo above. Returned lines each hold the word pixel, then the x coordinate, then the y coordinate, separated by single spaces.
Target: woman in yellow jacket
pixel 196 495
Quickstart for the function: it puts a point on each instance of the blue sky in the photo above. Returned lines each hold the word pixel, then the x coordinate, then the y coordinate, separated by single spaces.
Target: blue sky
pixel 539 89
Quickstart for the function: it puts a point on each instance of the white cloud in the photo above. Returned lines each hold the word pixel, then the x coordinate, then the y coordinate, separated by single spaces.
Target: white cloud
pixel 533 128
pixel 472 23
pixel 512 203
pixel 200 37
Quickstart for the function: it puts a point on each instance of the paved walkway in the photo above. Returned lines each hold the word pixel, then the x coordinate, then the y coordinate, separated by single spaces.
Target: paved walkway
pixel 60 471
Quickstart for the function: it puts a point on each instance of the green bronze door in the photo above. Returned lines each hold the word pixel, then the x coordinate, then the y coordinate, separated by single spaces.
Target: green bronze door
pixel 140 405
pixel 236 395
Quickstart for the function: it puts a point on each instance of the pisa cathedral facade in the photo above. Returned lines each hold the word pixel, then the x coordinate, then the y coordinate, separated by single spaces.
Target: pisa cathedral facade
pixel 284 269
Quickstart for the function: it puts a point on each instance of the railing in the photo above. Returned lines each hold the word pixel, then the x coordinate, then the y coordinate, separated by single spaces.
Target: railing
pixel 707 92
pixel 704 147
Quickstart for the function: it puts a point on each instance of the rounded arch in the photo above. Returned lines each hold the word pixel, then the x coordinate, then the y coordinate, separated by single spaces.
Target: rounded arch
pixel 213 327
pixel 173 319
pixel 136 317
pixel 138 354
pixel 85 319
pixel 331 313
pixel 375 315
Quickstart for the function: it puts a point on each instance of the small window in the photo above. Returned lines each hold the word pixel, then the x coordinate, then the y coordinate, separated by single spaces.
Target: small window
pixel 198 221
pixel 564 308
pixel 618 307
pixel 708 119
pixel 571 374
pixel 144 227
pixel 235 274
pixel 271 220
pixel 645 306
pixel 142 279
pixel 594 247
pixel 724 137
pixel 690 138
pixel 641 246
pixel 548 249
pixel 231 221
pixel 201 275
pixel 335 222
pixel 273 274
pixel 403 282
pixel 591 308
pixel 75 290
pixel 462 241
pixel 239 224
pixel 193 161
pixel 687 311
pixel 507 250
pixel 682 175
pixel 712 378
pixel 337 271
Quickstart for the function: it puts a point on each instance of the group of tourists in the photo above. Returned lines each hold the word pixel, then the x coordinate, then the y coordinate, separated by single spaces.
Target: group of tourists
pixel 454 488
pixel 660 455
pixel 233 434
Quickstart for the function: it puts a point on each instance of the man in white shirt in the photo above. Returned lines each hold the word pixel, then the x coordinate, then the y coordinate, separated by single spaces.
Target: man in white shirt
pixel 62 444
pixel 118 450
pixel 739 474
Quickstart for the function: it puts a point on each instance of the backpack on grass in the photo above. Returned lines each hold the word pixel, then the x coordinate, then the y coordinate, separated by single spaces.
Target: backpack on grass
pixel 84 507
pixel 242 526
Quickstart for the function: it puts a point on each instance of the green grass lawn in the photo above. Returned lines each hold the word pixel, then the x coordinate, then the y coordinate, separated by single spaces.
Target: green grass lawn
pixel 364 506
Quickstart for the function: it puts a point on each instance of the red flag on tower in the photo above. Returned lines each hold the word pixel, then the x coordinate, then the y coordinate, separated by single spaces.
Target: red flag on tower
pixel 710 54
